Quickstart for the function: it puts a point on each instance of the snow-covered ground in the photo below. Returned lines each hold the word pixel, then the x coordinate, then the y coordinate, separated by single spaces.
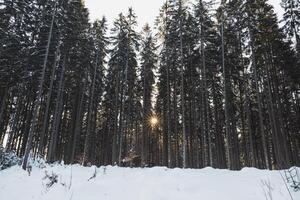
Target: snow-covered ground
pixel 113 183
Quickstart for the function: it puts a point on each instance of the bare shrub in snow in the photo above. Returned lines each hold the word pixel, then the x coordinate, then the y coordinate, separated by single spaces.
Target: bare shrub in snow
pixel 51 179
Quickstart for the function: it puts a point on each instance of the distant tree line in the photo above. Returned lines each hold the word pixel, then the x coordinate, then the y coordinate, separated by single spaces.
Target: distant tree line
pixel 212 87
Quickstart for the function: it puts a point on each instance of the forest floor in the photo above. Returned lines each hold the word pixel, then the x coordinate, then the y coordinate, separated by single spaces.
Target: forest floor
pixel 61 182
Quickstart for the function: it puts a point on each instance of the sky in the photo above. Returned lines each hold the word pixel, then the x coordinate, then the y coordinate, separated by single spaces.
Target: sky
pixel 146 10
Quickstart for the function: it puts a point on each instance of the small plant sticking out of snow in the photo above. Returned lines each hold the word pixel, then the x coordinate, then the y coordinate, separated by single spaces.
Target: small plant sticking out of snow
pixel 104 170
pixel 63 183
pixel 71 179
pixel 51 179
pixel 94 174
pixel 29 169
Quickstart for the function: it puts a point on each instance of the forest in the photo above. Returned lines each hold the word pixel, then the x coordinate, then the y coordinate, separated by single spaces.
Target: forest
pixel 209 85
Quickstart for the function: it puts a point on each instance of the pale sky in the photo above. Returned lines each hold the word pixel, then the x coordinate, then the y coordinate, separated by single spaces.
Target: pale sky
pixel 146 10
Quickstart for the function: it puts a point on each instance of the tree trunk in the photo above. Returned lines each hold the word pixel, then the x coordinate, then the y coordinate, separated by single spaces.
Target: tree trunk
pixel 2 108
pixel 39 96
pixel 115 122
pixel 87 143
pixel 49 96
pixel 57 115
pixel 182 94
pixel 78 121
pixel 227 129
pixel 261 119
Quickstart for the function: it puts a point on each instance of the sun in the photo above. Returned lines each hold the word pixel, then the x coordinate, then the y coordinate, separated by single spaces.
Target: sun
pixel 153 121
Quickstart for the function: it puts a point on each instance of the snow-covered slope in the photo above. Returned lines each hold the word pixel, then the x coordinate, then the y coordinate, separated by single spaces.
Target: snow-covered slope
pixel 113 183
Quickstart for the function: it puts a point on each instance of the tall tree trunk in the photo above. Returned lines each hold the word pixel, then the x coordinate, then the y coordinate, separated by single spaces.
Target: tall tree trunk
pixel 120 134
pixel 87 143
pixel 144 122
pixel 39 96
pixel 260 111
pixel 49 96
pixel 175 120
pixel 57 115
pixel 2 108
pixel 78 121
pixel 15 119
pixel 227 129
pixel 182 94
pixel 205 105
pixel 169 136
pixel 250 146
pixel 115 122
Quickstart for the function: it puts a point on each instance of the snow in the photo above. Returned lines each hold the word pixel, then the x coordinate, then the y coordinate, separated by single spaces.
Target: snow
pixel 114 183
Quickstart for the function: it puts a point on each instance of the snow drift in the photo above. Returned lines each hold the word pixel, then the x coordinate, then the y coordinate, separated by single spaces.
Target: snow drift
pixel 60 182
